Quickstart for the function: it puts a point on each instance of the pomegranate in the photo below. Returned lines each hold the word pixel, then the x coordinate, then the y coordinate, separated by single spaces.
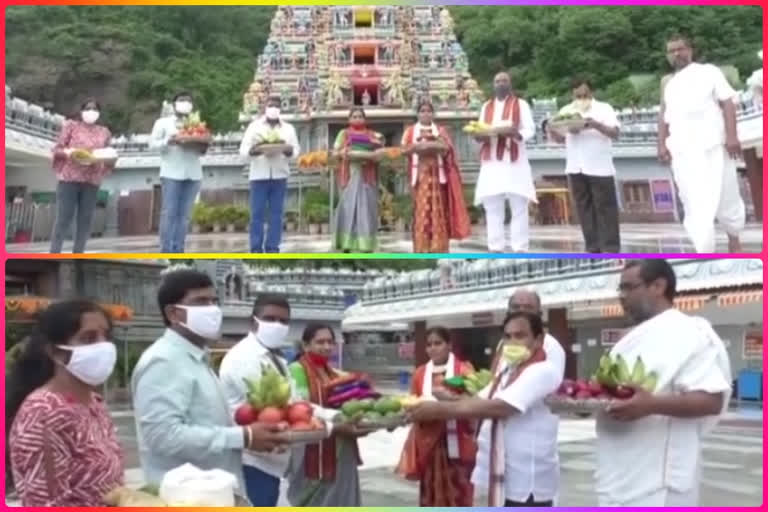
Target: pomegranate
pixel 582 385
pixel 595 388
pixel 299 412
pixel 302 425
pixel 623 392
pixel 568 387
pixel 245 415
pixel 271 415
pixel 583 394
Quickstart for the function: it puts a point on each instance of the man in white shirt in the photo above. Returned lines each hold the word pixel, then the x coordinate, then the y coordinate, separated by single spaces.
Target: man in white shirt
pixel 505 172
pixel 517 459
pixel 590 170
pixel 262 346
pixel 268 175
pixel 698 135
pixel 649 447
pixel 181 174
pixel 528 301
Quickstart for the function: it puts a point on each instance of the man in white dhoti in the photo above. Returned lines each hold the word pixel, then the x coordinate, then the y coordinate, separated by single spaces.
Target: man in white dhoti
pixel 649 447
pixel 505 173
pixel 697 134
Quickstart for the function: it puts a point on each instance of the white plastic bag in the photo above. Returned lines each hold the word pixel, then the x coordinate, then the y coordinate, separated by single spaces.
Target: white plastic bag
pixel 191 486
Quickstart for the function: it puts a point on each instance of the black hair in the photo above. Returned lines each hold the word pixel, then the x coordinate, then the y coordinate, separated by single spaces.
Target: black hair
pixel 677 36
pixel 442 332
pixel 33 367
pixel 425 103
pixel 532 292
pixel 270 299
pixel 312 329
pixel 657 268
pixel 579 80
pixel 273 97
pixel 181 94
pixel 90 100
pixel 175 286
pixel 535 321
pixel 357 109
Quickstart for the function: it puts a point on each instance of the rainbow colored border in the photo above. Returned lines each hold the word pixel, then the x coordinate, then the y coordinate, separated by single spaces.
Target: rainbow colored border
pixel 4 256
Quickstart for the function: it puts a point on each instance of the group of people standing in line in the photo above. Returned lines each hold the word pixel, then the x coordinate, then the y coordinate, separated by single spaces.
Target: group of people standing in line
pixel 697 135
pixel 502 443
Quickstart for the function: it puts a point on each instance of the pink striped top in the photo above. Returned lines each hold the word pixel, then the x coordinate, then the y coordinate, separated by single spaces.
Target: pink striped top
pixel 79 135
pixel 64 453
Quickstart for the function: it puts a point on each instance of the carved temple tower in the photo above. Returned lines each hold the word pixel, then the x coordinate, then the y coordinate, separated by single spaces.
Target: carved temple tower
pixel 323 60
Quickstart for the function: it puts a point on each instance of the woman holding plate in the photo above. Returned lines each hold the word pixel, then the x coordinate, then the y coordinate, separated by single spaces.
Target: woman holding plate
pixel 357 215
pixel 81 159
pixel 439 211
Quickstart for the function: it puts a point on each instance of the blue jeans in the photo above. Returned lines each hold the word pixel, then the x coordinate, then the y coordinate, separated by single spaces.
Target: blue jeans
pixel 262 488
pixel 263 192
pixel 178 199
pixel 74 201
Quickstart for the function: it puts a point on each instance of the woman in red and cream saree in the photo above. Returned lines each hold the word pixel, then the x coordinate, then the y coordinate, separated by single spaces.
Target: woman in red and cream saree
pixel 439 211
pixel 440 454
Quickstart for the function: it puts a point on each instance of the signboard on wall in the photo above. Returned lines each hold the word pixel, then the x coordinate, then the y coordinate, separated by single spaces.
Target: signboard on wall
pixel 609 337
pixel 663 196
pixel 753 345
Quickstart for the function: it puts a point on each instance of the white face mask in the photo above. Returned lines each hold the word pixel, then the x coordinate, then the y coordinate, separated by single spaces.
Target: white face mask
pixel 272 113
pixel 92 364
pixel 89 116
pixel 183 107
pixel 271 334
pixel 205 321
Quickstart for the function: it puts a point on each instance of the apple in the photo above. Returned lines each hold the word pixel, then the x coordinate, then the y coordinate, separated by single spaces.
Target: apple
pixel 568 388
pixel 271 415
pixel 299 412
pixel 302 425
pixel 623 392
pixel 595 388
pixel 246 415
pixel 583 394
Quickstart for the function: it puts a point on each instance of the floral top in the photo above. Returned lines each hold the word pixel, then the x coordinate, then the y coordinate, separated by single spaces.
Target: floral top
pixel 79 135
pixel 64 453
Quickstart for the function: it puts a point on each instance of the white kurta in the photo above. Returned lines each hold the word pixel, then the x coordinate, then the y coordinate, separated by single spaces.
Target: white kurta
pixel 704 173
pixel 504 177
pixel 658 458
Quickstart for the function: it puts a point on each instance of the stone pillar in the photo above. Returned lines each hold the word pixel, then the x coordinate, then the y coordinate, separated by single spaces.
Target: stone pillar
pixel 557 325
pixel 111 227
pixel 420 343
pixel 754 164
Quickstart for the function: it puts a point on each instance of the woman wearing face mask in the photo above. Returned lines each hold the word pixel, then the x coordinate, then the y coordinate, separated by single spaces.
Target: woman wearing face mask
pixel 79 179
pixel 440 454
pixel 62 442
pixel 517 460
pixel 357 215
pixel 323 474
pixel 439 211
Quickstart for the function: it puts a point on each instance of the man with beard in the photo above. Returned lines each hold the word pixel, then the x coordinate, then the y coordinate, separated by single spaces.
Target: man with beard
pixel 505 172
pixel 697 134
pixel 649 446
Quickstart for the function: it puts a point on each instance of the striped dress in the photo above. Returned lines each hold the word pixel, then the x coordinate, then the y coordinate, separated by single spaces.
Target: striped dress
pixel 64 453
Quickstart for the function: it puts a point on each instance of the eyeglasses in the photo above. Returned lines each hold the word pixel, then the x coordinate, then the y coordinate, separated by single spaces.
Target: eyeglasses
pixel 629 287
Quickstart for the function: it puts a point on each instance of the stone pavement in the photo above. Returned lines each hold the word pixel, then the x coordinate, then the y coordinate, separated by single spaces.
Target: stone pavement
pixel 732 467
pixel 636 238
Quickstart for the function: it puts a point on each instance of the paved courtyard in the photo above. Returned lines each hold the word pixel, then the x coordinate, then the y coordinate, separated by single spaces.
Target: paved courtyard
pixel 733 467
pixel 636 238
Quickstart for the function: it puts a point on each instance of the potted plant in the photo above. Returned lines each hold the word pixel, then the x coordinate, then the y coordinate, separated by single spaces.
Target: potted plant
pixel 242 218
pixel 403 209
pixel 229 216
pixel 201 217
pixel 475 213
pixel 217 218
pixel 291 223
pixel 322 210
pixel 314 218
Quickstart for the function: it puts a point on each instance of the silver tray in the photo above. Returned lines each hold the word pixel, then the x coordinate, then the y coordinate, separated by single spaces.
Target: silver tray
pixel 560 404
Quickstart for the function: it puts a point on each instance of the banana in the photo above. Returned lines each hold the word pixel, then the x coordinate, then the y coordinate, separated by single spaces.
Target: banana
pixel 638 372
pixel 622 374
pixel 650 382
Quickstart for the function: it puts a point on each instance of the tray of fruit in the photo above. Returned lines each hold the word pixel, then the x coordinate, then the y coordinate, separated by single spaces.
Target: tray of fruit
pixel 384 413
pixel 194 131
pixel 478 128
pixel 313 161
pixel 268 401
pixel 472 383
pixel 568 121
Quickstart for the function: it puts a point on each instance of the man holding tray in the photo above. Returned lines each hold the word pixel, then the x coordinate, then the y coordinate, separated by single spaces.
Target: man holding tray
pixel 589 166
pixel 270 143
pixel 181 172
pixel 505 172
pixel 649 446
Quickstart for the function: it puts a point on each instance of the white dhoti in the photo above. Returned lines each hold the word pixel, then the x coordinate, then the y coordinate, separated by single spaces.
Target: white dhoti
pixel 494 220
pixel 709 189
pixel 662 498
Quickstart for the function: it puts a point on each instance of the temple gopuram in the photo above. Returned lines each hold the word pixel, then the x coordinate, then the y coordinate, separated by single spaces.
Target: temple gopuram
pixel 324 60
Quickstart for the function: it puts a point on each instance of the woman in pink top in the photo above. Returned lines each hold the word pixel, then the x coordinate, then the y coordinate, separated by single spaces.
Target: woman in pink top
pixel 63 445
pixel 79 181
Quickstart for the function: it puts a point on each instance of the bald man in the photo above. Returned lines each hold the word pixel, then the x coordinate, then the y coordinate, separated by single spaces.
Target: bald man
pixel 530 302
pixel 505 173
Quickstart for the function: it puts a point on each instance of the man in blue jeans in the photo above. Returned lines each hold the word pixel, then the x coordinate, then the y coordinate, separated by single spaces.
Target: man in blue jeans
pixel 180 174
pixel 270 143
